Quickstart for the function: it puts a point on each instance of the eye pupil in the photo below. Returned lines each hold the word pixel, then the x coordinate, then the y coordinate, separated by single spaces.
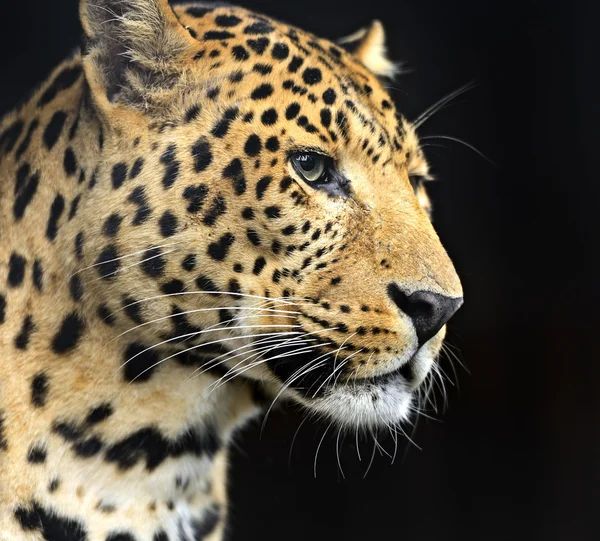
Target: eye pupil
pixel 307 162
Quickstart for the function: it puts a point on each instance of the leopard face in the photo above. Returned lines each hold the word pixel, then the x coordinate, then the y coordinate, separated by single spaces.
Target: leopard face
pixel 259 210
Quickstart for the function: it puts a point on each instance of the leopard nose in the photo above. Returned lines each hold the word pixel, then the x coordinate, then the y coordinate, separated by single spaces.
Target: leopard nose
pixel 428 311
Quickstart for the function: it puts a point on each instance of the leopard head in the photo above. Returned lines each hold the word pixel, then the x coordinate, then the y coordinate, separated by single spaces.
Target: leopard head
pixel 259 207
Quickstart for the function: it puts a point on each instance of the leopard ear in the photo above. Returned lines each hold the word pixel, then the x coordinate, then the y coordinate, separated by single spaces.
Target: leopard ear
pixel 131 49
pixel 368 45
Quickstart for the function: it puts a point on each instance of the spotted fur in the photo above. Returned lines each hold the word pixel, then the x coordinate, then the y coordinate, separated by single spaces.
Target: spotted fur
pixel 163 265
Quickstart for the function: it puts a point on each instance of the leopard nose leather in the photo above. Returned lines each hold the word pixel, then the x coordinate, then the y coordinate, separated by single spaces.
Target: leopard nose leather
pixel 428 311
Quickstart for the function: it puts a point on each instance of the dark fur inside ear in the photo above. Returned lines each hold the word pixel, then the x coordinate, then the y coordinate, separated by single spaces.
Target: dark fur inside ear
pixel 133 44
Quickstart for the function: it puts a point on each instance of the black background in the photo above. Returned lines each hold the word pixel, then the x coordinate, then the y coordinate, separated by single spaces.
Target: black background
pixel 516 455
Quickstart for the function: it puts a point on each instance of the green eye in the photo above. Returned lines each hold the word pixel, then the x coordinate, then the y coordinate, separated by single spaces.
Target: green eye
pixel 311 167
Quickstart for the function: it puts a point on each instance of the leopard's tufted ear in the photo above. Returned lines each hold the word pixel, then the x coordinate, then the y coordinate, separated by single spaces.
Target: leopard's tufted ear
pixel 368 45
pixel 132 50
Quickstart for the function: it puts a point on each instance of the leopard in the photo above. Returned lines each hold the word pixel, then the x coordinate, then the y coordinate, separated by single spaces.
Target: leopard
pixel 202 210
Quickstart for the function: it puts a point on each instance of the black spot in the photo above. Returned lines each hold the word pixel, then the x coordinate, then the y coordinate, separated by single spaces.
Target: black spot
pixel 253 145
pixel 262 92
pixel 240 53
pixel 139 363
pixel 273 212
pixel 234 287
pixel 74 207
pixel 146 443
pixel 2 309
pixel 258 45
pixel 99 413
pixel 292 111
pixel 108 262
pixel 10 136
pixel 138 197
pixel 192 113
pixel 217 208
pixel 248 213
pixel 3 441
pixel 56 210
pixel 173 287
pixel 218 35
pixel 54 129
pixel 253 237
pixel 259 265
pixel 22 175
pixel 27 141
pixel 227 21
pixel 198 12
pixel 69 334
pixel 206 284
pixel 168 224
pixel 133 309
pixel 285 183
pixel 172 166
pixel 52 526
pixel 326 117
pixel 269 117
pixel 280 51
pixel 202 155
pixel 260 27
pixel 196 195
pixel 289 230
pixel 63 81
pixel 162 536
pixel 329 96
pixel 119 174
pixel 37 454
pixel 53 485
pixel 89 447
pixel 219 250
pixel 67 430
pixel 39 390
pixel 342 123
pixel 221 129
pixel 25 195
pixel 112 225
pixel 263 69
pixel 335 281
pixel 120 536
pixel 105 315
pixel 272 144
pixel 79 245
pixel 70 162
pixel 312 76
pixel 136 168
pixel 261 187
pixel 16 270
pixel 76 288
pixel 189 263
pixel 27 328
pixel 295 64
pixel 235 172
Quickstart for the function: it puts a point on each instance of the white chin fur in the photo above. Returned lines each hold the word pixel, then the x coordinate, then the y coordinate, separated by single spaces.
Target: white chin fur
pixel 365 405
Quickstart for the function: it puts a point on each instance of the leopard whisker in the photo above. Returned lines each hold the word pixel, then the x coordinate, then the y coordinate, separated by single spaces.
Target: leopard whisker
pixel 204 345
pixel 438 105
pixel 460 141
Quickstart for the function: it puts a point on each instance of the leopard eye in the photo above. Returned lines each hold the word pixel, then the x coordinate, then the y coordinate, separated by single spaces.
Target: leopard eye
pixel 312 168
